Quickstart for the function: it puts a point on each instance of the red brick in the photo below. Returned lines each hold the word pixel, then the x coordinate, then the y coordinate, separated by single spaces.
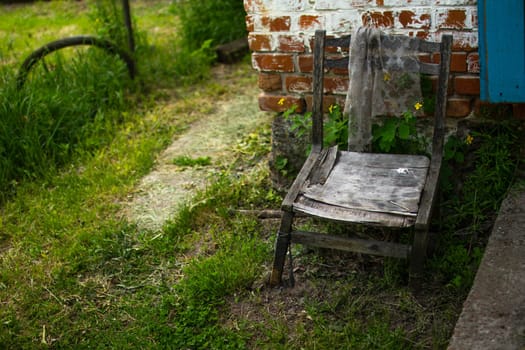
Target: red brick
pixel 270 82
pixel 434 81
pixel 273 62
pixel 260 42
pixel 330 49
pixel 452 19
pixel 250 26
pixel 271 103
pixel 494 111
pixel 424 57
pixel 339 71
pixel 291 43
pixel 464 43
pixel 479 106
pixel 298 84
pixel 276 24
pixel 306 63
pixel 379 19
pixel 466 85
pixel 458 107
pixel 473 62
pixel 422 34
pixel 310 22
pixel 408 19
pixel 328 100
pixel 337 85
pixel 518 110
pixel 458 61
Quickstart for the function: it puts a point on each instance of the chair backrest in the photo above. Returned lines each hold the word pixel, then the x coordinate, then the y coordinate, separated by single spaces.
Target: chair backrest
pixel 322 61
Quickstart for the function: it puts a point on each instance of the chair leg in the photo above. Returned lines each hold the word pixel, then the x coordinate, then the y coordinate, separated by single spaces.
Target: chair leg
pixel 281 247
pixel 418 256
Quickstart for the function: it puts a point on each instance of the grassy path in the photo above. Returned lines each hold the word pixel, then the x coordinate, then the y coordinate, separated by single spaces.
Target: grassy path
pixel 212 137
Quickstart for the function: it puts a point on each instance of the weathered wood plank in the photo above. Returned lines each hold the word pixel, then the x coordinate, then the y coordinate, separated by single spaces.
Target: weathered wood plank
pixel 343 41
pixel 317 108
pixel 428 46
pixel 430 191
pixel 324 165
pixel 429 68
pixel 390 188
pixel 356 245
pixel 341 63
pixel 304 173
pixel 429 196
pixel 381 160
pixel 340 214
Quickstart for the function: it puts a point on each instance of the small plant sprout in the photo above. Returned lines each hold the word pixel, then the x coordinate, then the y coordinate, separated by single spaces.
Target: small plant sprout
pixel 185 161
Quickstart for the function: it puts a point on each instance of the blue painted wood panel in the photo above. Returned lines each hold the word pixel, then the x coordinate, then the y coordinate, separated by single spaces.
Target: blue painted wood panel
pixel 502 50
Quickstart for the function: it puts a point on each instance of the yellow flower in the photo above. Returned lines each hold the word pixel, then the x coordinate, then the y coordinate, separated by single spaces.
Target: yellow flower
pixel 469 139
pixel 386 76
pixel 281 101
pixel 331 108
pixel 418 106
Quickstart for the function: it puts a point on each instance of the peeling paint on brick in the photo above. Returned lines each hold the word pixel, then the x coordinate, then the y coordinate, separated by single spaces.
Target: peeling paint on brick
pixel 281 35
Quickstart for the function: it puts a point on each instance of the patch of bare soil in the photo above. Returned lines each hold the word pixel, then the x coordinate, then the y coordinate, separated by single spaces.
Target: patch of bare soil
pixel 212 135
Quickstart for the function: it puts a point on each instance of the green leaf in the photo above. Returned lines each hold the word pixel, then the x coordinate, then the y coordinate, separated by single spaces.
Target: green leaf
pixel 459 157
pixel 404 131
pixel 388 132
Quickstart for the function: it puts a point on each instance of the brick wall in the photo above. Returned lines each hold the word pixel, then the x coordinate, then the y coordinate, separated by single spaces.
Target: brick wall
pixel 281 34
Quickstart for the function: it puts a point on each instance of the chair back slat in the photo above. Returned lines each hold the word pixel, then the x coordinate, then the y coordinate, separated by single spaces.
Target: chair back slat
pixel 343 41
pixel 328 47
pixel 336 63
pixel 428 46
pixel 429 68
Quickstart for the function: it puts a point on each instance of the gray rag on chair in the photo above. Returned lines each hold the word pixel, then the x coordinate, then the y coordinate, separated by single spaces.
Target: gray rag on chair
pixel 384 80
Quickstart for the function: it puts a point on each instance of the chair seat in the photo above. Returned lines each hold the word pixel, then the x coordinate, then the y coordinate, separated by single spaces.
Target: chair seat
pixel 379 189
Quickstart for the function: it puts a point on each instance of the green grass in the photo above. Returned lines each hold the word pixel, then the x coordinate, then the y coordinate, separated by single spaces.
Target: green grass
pixel 186 161
pixel 52 21
pixel 75 274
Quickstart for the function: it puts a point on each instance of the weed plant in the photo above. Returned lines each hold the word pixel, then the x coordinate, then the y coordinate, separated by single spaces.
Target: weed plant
pixel 469 206
pixel 66 107
pixel 214 21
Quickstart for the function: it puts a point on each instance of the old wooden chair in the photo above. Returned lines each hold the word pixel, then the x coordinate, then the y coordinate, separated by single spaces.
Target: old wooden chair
pixel 380 189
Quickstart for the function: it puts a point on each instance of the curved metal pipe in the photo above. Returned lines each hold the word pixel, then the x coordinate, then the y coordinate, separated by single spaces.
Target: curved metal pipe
pixel 38 54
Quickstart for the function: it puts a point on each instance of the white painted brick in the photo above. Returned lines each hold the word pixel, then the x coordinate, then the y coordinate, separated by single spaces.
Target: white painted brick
pixel 462 39
pixel 441 15
pixel 474 17
pixel 403 3
pixel 276 6
pixel 323 5
pixel 417 22
pixel 289 5
pixel 455 2
pixel 469 39
pixel 343 21
pixel 296 28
